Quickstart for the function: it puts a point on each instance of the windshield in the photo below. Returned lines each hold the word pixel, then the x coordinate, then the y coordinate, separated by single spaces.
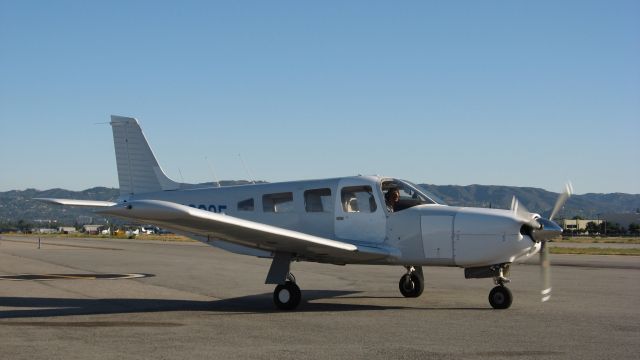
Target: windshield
pixel 411 194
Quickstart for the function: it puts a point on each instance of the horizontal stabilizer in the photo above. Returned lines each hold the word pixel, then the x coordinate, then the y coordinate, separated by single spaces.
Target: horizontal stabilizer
pixel 73 202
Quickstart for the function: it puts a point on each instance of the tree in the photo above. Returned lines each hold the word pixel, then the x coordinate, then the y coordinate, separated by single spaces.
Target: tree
pixel 593 228
pixel 634 229
pixel 23 226
pixel 614 229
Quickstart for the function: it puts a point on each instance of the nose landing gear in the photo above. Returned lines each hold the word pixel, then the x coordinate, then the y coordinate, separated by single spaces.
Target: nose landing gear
pixel 500 296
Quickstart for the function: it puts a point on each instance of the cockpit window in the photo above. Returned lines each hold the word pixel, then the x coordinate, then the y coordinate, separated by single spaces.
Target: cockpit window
pixel 410 194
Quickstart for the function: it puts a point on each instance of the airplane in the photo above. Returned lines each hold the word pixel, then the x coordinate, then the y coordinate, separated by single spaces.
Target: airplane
pixel 334 221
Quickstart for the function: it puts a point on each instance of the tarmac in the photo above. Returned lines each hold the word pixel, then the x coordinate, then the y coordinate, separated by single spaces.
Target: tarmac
pixel 195 301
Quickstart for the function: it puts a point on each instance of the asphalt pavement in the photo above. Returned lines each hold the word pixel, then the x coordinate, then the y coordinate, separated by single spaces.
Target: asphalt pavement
pixel 194 301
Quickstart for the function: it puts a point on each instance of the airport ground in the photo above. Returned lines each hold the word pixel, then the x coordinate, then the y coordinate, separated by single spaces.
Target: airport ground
pixel 201 302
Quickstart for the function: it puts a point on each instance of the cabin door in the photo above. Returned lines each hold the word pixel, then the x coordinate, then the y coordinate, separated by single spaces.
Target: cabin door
pixel 360 215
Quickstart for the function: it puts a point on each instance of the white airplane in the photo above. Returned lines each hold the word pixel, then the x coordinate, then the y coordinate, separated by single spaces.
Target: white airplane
pixel 336 221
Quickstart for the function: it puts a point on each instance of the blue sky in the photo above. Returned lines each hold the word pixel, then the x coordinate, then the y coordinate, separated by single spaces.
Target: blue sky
pixel 460 92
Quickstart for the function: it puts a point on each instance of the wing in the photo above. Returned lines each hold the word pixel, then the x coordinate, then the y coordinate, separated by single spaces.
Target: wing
pixel 248 233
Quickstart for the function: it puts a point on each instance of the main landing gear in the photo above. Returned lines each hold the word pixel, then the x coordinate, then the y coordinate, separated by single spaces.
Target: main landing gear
pixel 287 296
pixel 412 283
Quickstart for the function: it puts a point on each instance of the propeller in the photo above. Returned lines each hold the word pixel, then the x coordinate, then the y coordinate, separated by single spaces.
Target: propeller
pixel 542 230
pixel 568 191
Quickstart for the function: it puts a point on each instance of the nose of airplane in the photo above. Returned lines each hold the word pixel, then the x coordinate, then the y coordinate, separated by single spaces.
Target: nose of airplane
pixel 541 231
pixel 547 230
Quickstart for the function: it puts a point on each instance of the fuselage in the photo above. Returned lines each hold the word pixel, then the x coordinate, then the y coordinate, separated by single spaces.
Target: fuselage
pixel 353 210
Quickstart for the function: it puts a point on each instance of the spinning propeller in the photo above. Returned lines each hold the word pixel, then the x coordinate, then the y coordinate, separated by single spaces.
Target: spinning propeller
pixel 542 230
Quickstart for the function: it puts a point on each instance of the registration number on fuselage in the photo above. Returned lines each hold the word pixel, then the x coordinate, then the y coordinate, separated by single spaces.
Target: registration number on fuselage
pixel 213 208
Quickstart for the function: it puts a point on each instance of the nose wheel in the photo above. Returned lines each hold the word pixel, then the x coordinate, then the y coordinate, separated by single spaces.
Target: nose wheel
pixel 287 296
pixel 500 297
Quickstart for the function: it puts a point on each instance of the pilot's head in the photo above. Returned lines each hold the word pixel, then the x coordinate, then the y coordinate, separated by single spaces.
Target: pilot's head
pixel 392 195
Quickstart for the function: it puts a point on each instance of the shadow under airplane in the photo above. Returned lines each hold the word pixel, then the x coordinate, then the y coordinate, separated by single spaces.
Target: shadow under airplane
pixel 31 307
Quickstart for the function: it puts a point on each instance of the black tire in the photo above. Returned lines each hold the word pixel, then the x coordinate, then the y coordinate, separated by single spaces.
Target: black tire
pixel 287 296
pixel 500 297
pixel 411 285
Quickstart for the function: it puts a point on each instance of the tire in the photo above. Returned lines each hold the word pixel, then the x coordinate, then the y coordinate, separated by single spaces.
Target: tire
pixel 287 296
pixel 500 297
pixel 411 285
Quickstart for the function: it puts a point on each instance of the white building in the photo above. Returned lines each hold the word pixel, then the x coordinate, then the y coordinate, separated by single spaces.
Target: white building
pixel 67 230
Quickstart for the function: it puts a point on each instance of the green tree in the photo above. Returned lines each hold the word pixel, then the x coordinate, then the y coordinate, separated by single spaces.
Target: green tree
pixel 592 228
pixel 23 226
pixel 614 228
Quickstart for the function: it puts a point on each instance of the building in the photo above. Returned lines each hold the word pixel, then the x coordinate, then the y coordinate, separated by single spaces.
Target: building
pixel 578 225
pixel 67 230
pixel 45 231
pixel 92 229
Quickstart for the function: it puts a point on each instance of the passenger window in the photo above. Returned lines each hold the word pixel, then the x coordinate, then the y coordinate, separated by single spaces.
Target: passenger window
pixel 358 199
pixel 317 200
pixel 245 205
pixel 278 202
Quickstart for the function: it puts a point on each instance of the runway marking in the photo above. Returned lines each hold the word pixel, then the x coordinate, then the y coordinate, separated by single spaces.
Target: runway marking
pixel 41 277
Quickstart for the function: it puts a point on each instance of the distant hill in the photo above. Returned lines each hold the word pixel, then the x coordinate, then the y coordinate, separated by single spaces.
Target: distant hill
pixel 536 200
pixel 19 205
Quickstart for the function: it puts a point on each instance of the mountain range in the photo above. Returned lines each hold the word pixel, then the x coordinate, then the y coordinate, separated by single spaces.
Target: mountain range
pixel 18 205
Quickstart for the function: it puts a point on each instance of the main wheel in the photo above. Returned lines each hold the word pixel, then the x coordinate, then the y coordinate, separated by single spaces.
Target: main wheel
pixel 287 296
pixel 411 285
pixel 500 297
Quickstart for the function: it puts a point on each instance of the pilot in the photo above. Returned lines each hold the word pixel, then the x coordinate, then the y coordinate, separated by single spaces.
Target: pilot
pixel 391 198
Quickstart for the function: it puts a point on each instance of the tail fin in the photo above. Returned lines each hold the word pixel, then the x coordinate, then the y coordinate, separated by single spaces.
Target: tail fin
pixel 138 169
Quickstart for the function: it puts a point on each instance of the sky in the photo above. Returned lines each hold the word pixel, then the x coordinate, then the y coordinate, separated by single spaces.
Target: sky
pixel 458 92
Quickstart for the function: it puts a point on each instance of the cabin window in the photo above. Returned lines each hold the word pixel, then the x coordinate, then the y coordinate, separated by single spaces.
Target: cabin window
pixel 358 199
pixel 317 200
pixel 246 205
pixel 278 202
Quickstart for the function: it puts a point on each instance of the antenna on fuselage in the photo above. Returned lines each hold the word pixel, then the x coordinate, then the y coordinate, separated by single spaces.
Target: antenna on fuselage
pixel 181 177
pixel 216 182
pixel 246 169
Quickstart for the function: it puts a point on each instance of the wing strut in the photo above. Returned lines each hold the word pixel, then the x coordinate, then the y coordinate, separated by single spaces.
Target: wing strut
pixel 280 267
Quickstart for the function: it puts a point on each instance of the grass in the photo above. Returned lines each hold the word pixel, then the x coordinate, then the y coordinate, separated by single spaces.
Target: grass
pixel 602 240
pixel 165 237
pixel 594 251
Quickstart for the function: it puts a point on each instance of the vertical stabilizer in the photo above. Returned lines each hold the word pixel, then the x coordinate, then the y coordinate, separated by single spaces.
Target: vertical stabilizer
pixel 138 169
